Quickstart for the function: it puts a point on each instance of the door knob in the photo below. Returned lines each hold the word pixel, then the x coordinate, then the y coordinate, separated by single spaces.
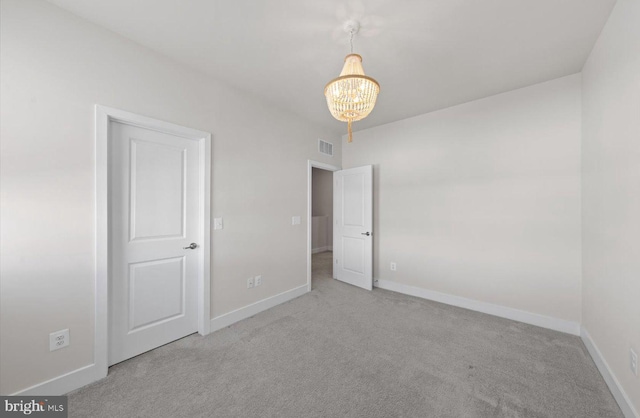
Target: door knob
pixel 366 233
pixel 192 246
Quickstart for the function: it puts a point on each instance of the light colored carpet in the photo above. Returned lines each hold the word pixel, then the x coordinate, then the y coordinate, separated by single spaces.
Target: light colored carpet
pixel 340 351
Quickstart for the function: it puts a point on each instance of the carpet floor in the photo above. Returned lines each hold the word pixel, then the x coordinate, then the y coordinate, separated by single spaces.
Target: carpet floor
pixel 340 351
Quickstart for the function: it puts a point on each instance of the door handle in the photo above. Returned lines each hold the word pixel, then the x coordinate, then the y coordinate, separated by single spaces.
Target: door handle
pixel 192 246
pixel 366 233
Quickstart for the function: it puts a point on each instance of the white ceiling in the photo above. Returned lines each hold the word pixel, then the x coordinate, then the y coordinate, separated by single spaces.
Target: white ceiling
pixel 426 54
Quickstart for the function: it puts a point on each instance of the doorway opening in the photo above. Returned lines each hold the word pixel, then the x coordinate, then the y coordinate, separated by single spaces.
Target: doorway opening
pixel 321 225
pixel 320 222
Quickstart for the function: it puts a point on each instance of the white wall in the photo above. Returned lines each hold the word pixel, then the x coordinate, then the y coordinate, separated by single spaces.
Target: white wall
pixel 322 199
pixel 611 193
pixel 54 68
pixel 482 200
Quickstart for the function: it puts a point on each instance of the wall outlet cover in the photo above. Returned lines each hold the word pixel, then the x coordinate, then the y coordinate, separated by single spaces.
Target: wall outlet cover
pixel 258 280
pixel 217 223
pixel 393 266
pixel 295 220
pixel 58 339
pixel 249 282
pixel 633 361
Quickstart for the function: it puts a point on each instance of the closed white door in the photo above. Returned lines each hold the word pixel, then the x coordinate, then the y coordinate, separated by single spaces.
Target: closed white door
pixel 153 222
pixel 353 219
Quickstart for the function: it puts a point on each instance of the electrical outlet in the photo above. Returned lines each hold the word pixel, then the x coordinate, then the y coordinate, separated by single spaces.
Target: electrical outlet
pixel 217 223
pixel 295 220
pixel 249 282
pixel 633 361
pixel 393 266
pixel 258 280
pixel 58 339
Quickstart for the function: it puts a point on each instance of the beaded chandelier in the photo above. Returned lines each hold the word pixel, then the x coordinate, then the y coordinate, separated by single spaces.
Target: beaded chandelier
pixel 352 95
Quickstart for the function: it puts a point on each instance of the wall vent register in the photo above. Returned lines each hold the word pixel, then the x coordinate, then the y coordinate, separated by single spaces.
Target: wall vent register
pixel 325 147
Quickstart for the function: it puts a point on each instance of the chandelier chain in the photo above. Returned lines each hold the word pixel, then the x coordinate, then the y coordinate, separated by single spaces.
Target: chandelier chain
pixel 351 39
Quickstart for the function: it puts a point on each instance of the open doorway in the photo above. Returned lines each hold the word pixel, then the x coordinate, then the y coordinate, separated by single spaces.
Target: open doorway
pixel 320 223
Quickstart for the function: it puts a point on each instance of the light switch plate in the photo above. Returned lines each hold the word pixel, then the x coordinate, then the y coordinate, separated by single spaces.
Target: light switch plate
pixel 295 220
pixel 217 223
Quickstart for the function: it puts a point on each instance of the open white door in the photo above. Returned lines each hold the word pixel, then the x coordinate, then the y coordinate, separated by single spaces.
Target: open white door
pixel 353 221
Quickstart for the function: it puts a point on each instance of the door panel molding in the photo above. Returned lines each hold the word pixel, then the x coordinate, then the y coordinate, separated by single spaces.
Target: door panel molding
pixel 104 116
pixel 133 187
pixel 134 269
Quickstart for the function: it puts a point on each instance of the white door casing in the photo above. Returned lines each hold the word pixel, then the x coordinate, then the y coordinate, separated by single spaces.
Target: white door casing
pixel 353 219
pixel 154 214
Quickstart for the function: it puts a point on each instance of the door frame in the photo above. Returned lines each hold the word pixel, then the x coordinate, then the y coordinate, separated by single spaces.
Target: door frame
pixel 104 116
pixel 311 164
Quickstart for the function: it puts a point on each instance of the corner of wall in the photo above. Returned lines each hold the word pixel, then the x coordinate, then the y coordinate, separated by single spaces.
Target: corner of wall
pixel 614 385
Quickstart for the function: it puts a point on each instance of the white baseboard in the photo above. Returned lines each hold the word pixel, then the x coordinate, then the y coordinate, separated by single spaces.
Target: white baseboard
pixel 62 384
pixel 543 321
pixel 614 386
pixel 232 317
pixel 85 375
pixel 322 249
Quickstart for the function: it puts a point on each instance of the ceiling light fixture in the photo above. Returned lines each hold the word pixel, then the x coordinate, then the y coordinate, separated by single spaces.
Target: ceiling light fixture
pixel 352 95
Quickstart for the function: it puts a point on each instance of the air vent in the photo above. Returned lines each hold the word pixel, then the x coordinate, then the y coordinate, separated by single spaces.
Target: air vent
pixel 325 147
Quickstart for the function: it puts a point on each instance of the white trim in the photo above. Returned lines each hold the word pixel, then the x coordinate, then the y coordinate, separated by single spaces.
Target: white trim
pixel 104 115
pixel 248 311
pixel 100 353
pixel 310 165
pixel 614 385
pixel 62 384
pixel 562 325
pixel 322 249
pixel 204 282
